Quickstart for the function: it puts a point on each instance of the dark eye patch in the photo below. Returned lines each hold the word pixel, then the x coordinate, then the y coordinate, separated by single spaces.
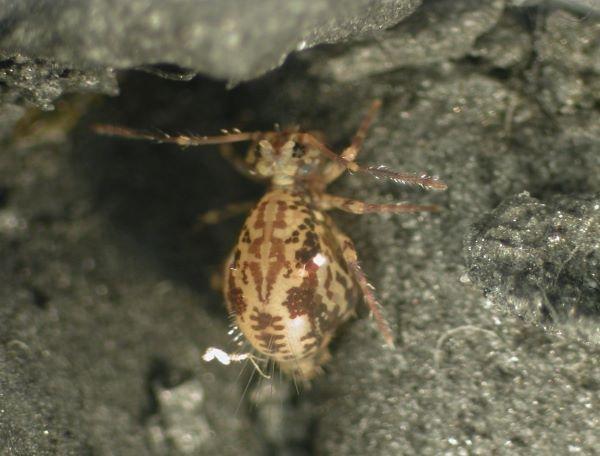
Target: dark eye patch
pixel 298 151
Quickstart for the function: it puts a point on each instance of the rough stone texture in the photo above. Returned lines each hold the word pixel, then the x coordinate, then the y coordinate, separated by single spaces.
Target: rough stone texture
pixel 582 8
pixel 105 285
pixel 29 81
pixel 38 82
pixel 230 39
pixel 436 33
pixel 541 260
pixel 563 52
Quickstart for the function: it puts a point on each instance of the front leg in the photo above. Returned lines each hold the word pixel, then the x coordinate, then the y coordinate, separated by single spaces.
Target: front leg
pixel 368 292
pixel 336 169
pixel 239 164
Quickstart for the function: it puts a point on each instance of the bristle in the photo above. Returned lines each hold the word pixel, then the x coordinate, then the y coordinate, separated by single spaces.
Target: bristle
pixel 423 180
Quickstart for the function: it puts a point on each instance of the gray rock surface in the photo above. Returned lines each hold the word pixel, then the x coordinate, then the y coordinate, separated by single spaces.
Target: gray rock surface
pixel 436 33
pixel 106 303
pixel 542 260
pixel 229 39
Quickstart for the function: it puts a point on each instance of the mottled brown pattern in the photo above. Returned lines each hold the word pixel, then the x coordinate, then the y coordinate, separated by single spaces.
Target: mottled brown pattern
pixel 277 260
pixel 257 275
pixel 236 259
pixel 324 322
pixel 329 319
pixel 295 280
pixel 334 249
pixel 235 299
pixel 293 238
pixel 245 237
pixel 258 227
pixel 264 320
pixel 300 299
pixel 271 343
pixel 310 247
pixel 245 278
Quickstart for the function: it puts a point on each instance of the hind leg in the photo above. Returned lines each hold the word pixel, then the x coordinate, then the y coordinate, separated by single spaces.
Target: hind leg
pixel 368 292
pixel 216 216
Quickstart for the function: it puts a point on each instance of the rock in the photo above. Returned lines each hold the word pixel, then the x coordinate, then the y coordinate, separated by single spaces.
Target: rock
pixel 436 34
pixel 540 259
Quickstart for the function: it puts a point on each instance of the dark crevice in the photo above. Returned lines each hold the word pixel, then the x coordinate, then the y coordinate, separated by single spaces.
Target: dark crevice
pixel 4 195
pixel 40 299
